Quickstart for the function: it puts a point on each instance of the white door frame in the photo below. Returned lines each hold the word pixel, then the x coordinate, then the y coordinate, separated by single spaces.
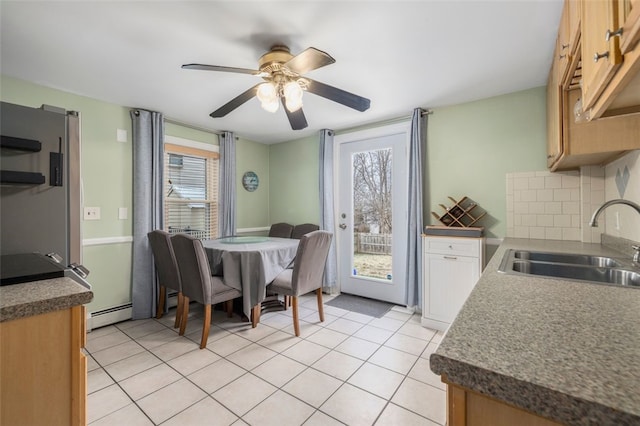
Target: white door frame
pixel 377 132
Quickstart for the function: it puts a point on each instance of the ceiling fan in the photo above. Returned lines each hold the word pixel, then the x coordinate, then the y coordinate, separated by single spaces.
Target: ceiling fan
pixel 284 83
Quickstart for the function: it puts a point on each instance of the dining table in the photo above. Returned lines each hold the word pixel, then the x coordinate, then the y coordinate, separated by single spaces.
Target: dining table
pixel 249 264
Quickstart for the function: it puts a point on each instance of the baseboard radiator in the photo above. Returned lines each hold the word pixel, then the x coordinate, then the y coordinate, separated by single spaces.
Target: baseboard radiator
pixel 117 314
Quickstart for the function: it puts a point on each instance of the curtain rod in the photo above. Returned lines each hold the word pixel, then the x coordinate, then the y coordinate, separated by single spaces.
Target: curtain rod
pixel 191 126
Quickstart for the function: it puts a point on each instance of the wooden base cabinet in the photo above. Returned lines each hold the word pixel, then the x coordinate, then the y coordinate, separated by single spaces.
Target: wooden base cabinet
pixel 43 371
pixel 469 408
pixel 450 269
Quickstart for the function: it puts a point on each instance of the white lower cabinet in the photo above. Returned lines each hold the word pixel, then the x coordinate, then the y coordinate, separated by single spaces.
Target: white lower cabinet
pixel 450 269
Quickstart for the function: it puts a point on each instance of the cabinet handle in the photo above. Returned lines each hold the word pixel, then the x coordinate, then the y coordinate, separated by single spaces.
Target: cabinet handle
pixel 616 33
pixel 451 257
pixel 598 56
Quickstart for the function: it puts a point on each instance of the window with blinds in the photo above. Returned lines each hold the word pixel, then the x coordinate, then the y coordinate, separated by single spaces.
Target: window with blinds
pixel 191 191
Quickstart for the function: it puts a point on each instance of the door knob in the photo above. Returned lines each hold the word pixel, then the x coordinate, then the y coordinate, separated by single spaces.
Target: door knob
pixel 343 226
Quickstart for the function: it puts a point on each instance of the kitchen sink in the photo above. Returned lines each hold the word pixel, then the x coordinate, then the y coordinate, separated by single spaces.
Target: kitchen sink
pixel 574 259
pixel 595 269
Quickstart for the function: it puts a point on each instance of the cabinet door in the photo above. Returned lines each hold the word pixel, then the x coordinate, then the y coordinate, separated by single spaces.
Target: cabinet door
pixel 629 14
pixel 601 55
pixel 449 280
pixel 554 116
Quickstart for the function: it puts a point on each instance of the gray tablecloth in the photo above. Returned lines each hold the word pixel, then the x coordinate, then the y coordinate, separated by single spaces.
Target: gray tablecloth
pixel 249 267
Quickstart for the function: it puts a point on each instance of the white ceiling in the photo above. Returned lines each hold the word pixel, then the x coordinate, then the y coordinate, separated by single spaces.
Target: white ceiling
pixel 401 55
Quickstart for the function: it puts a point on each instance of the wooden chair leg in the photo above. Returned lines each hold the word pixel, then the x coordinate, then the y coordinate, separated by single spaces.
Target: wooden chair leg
pixel 320 305
pixel 161 297
pixel 229 306
pixel 205 326
pixel 179 307
pixel 255 315
pixel 285 303
pixel 185 314
pixel 294 306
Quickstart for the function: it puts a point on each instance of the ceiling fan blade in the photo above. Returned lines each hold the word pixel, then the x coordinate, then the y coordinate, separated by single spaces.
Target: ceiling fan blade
pixel 297 119
pixel 309 59
pixel 235 103
pixel 338 95
pixel 204 67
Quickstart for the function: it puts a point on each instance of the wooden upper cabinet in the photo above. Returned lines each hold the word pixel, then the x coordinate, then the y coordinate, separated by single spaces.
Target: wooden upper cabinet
pixel 629 15
pixel 601 54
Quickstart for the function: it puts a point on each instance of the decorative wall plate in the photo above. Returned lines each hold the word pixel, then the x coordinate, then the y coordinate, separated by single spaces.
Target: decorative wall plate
pixel 250 181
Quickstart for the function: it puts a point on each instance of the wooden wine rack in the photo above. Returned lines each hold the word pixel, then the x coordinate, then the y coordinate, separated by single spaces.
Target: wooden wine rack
pixel 460 214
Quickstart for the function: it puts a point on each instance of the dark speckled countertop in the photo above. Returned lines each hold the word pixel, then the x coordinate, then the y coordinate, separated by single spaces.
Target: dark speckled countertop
pixel 40 297
pixel 566 350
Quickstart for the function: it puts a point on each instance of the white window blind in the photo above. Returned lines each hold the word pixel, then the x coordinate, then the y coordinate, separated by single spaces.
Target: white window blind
pixel 191 191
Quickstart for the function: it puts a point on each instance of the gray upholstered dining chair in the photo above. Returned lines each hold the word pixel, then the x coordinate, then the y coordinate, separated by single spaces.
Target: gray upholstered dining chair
pixel 305 228
pixel 197 282
pixel 281 230
pixel 166 270
pixel 307 272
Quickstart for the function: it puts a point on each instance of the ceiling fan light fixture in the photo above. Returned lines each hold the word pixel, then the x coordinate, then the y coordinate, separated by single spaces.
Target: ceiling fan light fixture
pixel 267 94
pixel 293 95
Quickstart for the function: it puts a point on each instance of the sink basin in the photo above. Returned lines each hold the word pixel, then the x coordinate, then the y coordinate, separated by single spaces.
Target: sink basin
pixel 581 267
pixel 618 276
pixel 574 259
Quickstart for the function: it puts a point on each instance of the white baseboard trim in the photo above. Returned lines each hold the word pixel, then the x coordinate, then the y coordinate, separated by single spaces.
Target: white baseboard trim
pixel 106 240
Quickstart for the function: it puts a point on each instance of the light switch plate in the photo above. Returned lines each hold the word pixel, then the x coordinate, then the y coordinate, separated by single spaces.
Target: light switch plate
pixel 121 135
pixel 92 213
pixel 123 213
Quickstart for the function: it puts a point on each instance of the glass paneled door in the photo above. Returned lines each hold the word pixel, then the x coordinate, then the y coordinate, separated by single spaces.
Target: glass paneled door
pixel 372 219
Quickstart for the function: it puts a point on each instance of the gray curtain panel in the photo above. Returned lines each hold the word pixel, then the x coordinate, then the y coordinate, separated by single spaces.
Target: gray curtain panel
pixel 414 236
pixel 227 190
pixel 326 206
pixel 148 151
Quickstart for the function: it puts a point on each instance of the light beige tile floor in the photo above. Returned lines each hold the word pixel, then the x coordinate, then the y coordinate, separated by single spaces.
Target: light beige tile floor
pixel 351 369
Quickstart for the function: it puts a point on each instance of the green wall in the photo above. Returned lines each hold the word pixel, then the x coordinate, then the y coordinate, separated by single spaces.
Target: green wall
pixel 294 181
pixel 107 181
pixel 253 207
pixel 470 148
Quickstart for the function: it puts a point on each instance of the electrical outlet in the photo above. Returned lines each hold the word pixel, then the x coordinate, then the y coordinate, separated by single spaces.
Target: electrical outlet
pixel 92 213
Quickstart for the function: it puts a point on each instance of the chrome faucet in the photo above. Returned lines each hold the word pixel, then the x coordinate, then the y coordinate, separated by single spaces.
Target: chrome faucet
pixel 636 207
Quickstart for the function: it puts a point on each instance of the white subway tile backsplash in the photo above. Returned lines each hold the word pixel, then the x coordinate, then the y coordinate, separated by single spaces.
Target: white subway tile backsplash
pixel 571 207
pixel 529 220
pixel 552 233
pixel 561 195
pixel 571 181
pixel 545 220
pixel 520 183
pixel 520 208
pixel 553 182
pixel 536 208
pixel 554 206
pixel 561 221
pixel 571 234
pixel 536 182
pixel 544 194
pixel 536 232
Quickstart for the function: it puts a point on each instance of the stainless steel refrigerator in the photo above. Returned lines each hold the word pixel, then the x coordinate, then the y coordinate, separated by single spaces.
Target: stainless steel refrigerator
pixel 40 207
